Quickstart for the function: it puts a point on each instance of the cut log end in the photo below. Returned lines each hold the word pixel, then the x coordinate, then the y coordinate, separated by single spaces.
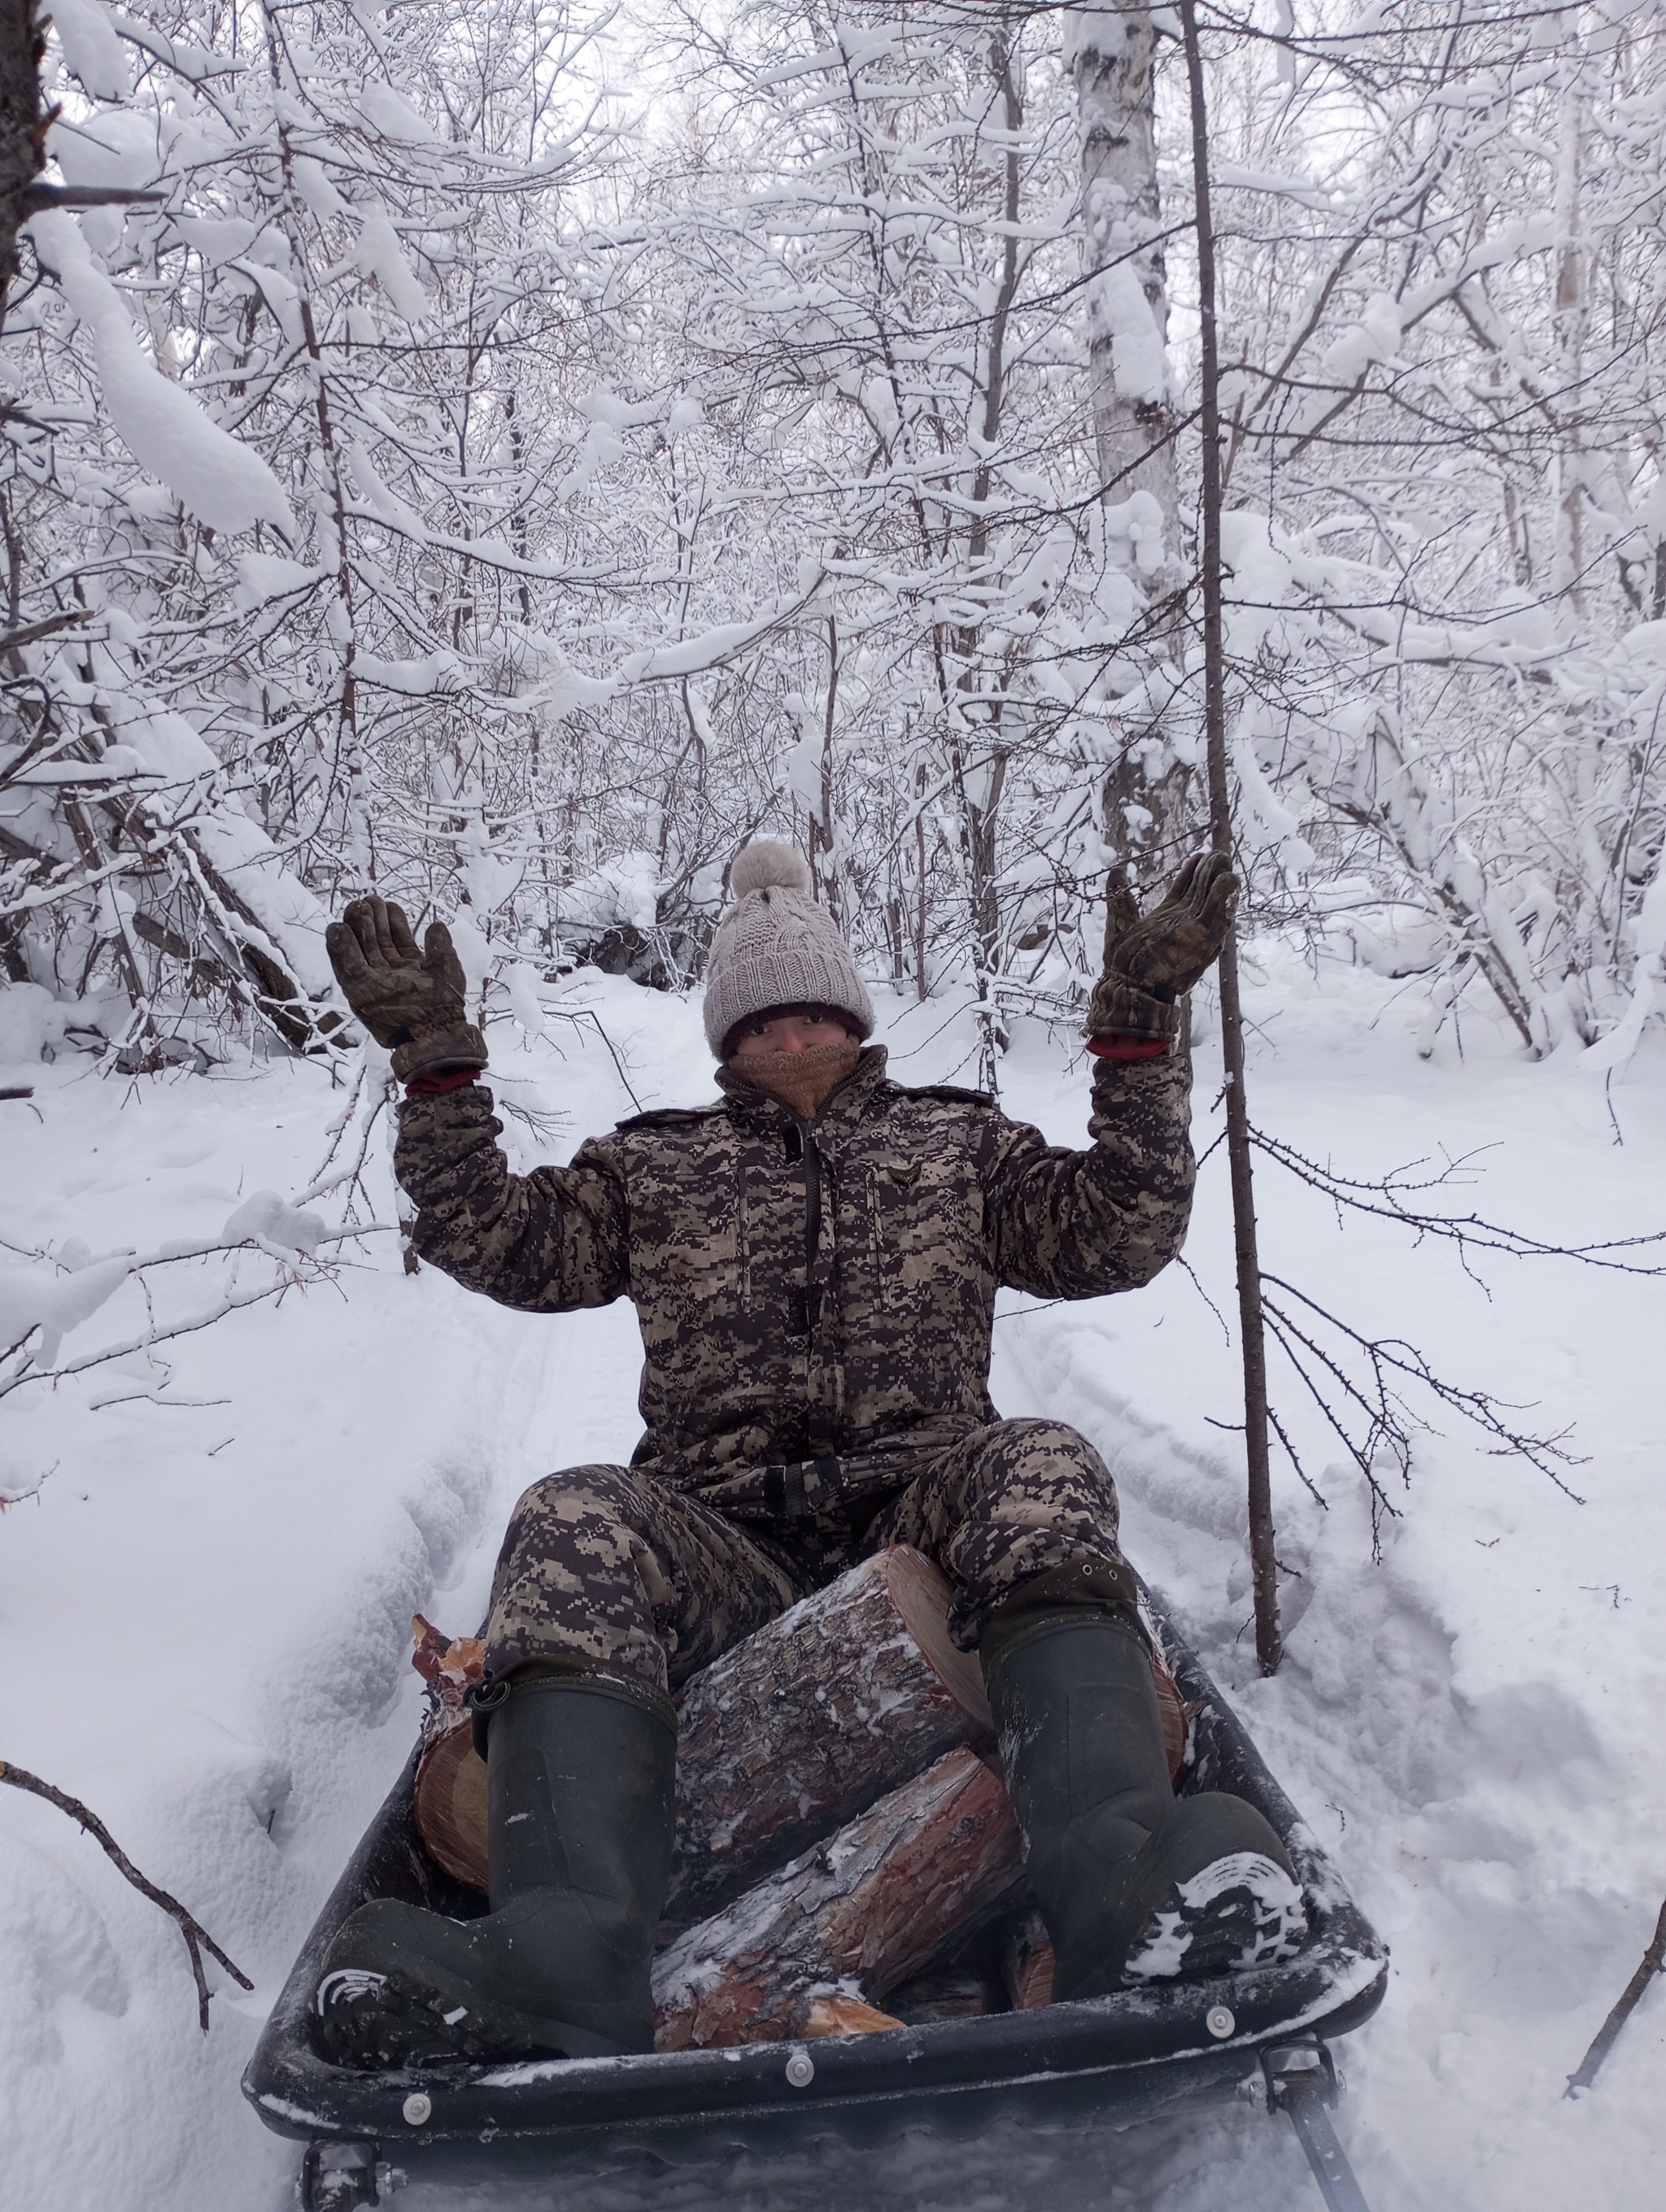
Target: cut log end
pixel 921 1596
pixel 1026 1961
pixel 449 1799
pixel 840 2015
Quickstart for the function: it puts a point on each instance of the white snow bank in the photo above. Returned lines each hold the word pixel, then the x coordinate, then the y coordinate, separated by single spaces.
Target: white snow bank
pixel 31 1018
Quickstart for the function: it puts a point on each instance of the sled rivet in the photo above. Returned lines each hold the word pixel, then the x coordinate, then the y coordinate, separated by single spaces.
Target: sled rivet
pixel 418 2109
pixel 1219 2022
pixel 800 2070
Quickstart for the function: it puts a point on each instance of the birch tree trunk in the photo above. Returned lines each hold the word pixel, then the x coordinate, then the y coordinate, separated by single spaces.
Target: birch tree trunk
pixel 1111 52
pixel 1569 313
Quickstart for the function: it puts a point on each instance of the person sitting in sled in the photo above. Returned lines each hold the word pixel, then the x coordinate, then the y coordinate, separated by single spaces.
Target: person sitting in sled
pixel 814 1259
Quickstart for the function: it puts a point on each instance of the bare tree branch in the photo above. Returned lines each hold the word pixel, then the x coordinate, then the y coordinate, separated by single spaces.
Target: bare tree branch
pixel 197 1937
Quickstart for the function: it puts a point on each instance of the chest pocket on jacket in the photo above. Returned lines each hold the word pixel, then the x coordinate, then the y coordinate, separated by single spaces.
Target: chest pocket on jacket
pixel 926 1228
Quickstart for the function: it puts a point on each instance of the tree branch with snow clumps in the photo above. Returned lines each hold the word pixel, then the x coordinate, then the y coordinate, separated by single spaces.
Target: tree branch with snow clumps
pixel 42 1304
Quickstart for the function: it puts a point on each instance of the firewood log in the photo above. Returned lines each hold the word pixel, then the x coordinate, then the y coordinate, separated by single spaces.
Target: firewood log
pixel 786 1738
pixel 1026 1961
pixel 780 1741
pixel 857 1916
pixel 449 1793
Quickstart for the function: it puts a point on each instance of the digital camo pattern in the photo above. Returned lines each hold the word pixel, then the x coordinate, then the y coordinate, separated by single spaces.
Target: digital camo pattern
pixel 816 1302
pixel 809 1289
pixel 604 1563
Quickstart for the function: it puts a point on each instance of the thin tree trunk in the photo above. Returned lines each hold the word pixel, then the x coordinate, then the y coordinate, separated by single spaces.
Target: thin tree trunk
pixel 920 986
pixel 979 813
pixel 1113 50
pixel 347 765
pixel 22 128
pixel 1269 1644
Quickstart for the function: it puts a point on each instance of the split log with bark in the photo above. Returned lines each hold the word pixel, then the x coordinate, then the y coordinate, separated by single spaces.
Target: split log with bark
pixel 855 1917
pixel 780 1742
pixel 449 1793
pixel 1026 1961
pixel 852 1692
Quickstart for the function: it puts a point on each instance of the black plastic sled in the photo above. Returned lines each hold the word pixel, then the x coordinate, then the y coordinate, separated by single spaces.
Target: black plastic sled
pixel 1115 2060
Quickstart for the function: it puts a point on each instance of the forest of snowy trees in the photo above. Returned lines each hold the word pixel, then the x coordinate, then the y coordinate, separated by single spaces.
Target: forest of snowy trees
pixel 506 456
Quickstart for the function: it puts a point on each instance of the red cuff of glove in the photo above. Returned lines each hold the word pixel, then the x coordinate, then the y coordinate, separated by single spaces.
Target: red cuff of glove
pixel 1128 1048
pixel 435 1086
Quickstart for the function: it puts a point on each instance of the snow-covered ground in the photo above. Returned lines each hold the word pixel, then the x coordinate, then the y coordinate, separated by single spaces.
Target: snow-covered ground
pixel 204 1602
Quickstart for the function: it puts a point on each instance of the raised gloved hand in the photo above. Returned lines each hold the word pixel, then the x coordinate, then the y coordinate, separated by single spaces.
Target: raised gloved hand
pixel 414 1000
pixel 1152 959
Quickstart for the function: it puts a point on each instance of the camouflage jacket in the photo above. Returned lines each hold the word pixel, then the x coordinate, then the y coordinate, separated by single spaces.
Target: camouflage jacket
pixel 809 1290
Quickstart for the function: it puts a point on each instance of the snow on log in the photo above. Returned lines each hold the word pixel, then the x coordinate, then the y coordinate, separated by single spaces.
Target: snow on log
pixel 857 1916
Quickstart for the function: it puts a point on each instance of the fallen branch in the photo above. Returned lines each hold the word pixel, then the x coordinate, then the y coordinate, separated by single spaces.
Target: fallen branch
pixel 197 1939
pixel 1653 1959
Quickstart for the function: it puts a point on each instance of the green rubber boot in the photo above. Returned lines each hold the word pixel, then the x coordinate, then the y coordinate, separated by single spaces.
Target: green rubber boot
pixel 1135 1886
pixel 580 1770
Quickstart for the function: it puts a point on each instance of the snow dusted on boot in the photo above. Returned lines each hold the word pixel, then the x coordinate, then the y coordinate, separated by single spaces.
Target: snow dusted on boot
pixel 1244 1898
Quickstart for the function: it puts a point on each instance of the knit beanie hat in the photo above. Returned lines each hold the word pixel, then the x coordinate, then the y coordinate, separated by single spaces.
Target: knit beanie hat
pixel 776 947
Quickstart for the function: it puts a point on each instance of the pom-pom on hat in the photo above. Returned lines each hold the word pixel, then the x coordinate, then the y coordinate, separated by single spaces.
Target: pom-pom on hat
pixel 776 947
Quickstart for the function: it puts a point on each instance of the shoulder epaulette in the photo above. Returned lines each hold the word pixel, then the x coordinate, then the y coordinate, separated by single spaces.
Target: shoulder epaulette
pixel 669 1117
pixel 950 1092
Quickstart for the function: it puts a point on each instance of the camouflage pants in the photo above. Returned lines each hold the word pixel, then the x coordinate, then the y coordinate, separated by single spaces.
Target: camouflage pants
pixel 607 1564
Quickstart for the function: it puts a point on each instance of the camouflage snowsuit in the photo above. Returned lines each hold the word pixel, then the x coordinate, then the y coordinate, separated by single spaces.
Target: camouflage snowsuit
pixel 816 1301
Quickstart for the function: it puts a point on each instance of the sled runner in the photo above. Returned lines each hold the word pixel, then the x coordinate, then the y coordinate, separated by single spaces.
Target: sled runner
pixel 1140 2053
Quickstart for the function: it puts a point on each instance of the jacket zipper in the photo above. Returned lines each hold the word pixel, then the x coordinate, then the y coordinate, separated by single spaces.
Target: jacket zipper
pixel 812 1222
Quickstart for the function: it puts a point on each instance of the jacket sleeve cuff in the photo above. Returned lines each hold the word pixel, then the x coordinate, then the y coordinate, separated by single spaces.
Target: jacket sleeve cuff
pixel 1129 1048
pixel 449 1053
pixel 435 1086
pixel 1120 1010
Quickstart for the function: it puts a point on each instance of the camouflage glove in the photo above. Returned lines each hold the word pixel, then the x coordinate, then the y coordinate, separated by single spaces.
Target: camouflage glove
pixel 1150 960
pixel 415 1001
